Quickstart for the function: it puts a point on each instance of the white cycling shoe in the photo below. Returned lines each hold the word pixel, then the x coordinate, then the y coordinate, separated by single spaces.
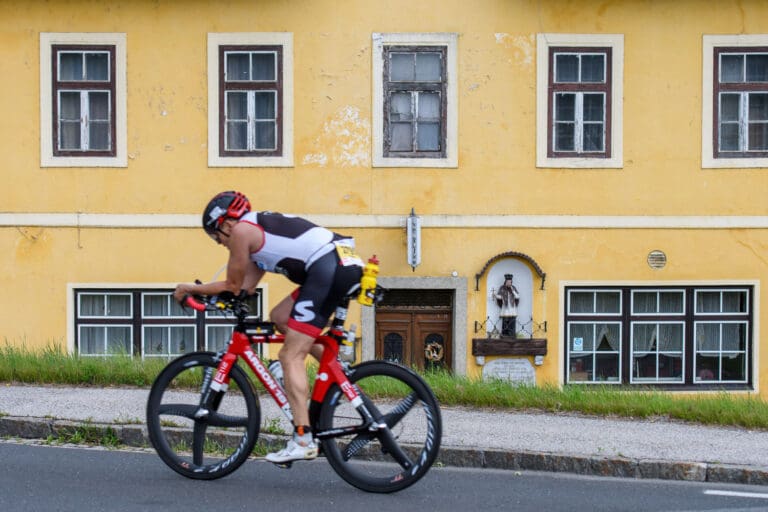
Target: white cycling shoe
pixel 293 451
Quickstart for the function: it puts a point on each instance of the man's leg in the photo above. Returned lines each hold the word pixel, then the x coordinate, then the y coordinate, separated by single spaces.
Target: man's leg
pixel 280 315
pixel 292 357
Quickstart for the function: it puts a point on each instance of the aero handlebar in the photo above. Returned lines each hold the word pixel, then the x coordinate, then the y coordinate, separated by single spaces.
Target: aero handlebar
pixel 190 301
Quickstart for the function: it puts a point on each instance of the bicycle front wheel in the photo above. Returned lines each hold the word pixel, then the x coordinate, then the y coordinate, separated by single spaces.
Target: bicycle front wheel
pixel 392 457
pixel 197 441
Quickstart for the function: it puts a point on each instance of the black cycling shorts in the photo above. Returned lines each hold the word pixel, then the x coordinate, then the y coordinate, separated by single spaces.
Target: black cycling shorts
pixel 327 282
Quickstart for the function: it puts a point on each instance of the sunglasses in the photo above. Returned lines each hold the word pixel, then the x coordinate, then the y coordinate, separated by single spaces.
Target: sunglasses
pixel 216 235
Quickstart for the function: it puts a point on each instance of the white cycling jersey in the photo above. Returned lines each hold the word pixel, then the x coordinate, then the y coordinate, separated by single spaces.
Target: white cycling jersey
pixel 291 244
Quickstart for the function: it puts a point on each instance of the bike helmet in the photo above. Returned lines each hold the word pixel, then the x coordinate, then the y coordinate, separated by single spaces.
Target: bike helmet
pixel 230 204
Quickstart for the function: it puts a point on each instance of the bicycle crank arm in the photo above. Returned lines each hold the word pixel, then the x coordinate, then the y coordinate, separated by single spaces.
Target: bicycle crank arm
pixel 360 430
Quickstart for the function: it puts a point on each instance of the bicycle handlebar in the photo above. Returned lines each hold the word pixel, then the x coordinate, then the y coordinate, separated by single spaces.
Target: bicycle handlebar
pixel 236 304
pixel 193 303
pixel 224 302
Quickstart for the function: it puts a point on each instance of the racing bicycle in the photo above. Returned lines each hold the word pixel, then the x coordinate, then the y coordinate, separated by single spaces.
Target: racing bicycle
pixel 377 423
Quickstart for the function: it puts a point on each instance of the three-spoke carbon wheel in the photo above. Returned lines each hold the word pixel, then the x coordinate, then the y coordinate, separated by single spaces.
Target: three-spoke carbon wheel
pixel 383 459
pixel 197 441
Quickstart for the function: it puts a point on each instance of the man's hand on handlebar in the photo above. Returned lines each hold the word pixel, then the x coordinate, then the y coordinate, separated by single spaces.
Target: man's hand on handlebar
pixel 181 292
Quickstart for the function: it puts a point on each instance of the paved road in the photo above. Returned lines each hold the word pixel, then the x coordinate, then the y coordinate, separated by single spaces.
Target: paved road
pixel 90 480
pixel 480 438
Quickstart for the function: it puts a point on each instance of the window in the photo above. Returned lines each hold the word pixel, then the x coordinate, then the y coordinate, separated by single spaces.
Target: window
pixel 657 344
pixel 721 341
pixel 415 100
pixel 160 339
pixel 82 100
pixel 146 323
pixel 594 344
pixel 679 337
pixel 96 336
pixel 735 105
pixel 579 102
pixel 579 90
pixel 250 99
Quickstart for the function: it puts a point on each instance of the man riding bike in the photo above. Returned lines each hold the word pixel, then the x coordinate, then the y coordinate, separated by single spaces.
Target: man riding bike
pixel 320 261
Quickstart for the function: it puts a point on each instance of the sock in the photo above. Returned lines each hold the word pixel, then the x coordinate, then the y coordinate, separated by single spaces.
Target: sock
pixel 302 434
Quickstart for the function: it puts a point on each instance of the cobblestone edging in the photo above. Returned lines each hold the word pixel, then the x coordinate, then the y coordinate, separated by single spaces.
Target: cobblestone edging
pixel 135 435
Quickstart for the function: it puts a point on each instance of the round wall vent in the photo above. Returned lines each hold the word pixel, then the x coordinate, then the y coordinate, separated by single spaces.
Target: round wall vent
pixel 657 259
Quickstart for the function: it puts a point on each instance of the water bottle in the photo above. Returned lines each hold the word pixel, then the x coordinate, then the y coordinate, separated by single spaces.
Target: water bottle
pixel 276 369
pixel 347 348
pixel 368 282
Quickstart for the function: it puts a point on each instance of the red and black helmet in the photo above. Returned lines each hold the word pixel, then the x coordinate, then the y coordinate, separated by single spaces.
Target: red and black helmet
pixel 230 204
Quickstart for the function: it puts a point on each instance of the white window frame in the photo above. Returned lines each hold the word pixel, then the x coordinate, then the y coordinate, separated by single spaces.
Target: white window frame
pixel 73 307
pixel 709 43
pixel 169 298
pixel 104 295
pixel 721 312
pixel 169 328
pixel 544 42
pixel 658 293
pixel 47 158
pixel 284 39
pixel 595 292
pixel 594 352
pixel 720 353
pixel 449 40
pixel 106 328
pixel 751 319
pixel 657 353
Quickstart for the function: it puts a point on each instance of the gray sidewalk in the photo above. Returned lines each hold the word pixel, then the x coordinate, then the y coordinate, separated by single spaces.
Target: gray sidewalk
pixel 471 438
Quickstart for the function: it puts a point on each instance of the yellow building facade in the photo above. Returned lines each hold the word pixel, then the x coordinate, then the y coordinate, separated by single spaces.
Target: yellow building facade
pixel 611 156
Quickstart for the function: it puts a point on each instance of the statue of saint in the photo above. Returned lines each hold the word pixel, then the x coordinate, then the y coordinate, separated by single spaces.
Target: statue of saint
pixel 507 298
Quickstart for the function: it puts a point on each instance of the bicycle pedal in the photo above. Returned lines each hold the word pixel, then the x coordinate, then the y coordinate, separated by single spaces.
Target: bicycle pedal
pixel 283 465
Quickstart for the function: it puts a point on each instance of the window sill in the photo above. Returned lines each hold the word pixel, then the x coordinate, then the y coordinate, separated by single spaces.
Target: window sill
pixel 427 163
pixel 544 162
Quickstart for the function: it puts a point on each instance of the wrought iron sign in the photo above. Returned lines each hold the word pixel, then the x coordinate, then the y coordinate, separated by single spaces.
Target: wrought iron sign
pixel 413 228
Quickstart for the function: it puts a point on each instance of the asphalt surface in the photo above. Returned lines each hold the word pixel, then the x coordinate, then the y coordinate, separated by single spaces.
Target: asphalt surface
pixel 515 441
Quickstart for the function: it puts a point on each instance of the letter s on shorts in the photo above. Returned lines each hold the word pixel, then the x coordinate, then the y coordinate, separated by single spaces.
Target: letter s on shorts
pixel 304 311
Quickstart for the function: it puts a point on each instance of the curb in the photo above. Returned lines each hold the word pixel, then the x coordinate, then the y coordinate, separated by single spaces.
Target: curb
pixel 135 435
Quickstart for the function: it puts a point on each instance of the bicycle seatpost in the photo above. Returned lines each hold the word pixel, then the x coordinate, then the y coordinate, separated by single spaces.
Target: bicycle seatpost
pixel 339 318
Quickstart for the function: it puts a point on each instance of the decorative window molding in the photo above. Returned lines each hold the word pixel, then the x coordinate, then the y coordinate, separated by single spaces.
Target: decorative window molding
pixel 712 156
pixel 597 102
pixel 442 128
pixel 260 134
pixel 83 116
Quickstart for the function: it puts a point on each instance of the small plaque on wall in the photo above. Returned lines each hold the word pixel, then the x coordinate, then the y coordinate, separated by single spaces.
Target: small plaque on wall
pixel 517 370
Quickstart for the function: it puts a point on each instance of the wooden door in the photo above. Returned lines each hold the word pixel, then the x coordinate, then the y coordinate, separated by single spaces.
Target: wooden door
pixel 420 338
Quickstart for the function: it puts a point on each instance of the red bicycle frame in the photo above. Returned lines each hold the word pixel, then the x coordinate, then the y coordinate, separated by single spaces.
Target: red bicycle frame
pixel 329 372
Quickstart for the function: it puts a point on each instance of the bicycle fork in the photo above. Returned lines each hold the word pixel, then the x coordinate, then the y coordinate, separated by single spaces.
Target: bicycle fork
pixel 214 386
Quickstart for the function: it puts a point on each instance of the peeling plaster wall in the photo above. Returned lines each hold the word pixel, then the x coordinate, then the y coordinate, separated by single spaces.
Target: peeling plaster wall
pixel 167 141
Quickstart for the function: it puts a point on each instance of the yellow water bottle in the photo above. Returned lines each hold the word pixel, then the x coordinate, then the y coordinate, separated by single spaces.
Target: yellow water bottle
pixel 368 282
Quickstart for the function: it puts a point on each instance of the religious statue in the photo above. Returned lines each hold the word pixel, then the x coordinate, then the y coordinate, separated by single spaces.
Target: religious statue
pixel 507 297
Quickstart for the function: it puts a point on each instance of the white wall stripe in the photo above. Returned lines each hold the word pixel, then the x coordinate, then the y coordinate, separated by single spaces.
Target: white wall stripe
pixel 162 221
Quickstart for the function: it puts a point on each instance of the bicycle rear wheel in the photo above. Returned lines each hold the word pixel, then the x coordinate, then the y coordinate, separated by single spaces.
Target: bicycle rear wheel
pixel 388 459
pixel 197 442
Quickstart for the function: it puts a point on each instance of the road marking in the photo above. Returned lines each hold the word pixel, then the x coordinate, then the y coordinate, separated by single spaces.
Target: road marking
pixel 738 494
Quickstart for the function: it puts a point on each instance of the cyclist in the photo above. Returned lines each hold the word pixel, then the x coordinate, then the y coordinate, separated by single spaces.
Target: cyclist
pixel 320 261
